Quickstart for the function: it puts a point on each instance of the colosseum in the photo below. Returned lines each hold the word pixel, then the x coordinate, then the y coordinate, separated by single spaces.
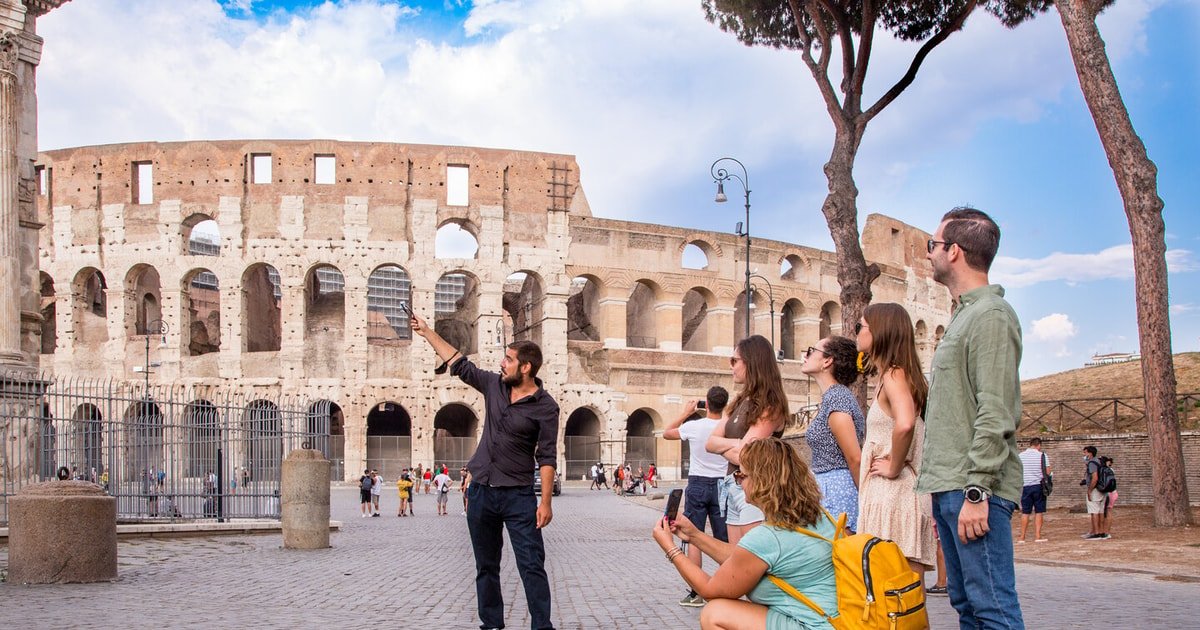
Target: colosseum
pixel 280 267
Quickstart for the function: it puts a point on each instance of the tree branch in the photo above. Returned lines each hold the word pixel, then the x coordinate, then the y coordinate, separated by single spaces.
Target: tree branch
pixel 918 59
pixel 818 68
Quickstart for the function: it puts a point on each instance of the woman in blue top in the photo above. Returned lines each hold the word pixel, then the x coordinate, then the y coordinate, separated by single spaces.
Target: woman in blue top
pixel 778 481
pixel 835 436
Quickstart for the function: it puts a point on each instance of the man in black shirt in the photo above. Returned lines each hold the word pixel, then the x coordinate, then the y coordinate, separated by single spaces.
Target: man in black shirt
pixel 520 432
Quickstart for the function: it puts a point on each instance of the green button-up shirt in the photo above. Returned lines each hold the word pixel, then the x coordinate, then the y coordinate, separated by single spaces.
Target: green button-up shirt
pixel 974 404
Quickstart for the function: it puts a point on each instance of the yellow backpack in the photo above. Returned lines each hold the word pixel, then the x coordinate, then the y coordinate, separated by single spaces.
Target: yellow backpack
pixel 875 586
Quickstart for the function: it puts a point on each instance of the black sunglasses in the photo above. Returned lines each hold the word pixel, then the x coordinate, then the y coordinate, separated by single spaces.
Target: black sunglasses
pixel 812 349
pixel 945 245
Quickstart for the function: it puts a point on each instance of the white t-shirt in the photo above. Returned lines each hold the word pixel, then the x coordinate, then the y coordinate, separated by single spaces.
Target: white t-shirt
pixel 441 481
pixel 376 485
pixel 1031 459
pixel 701 462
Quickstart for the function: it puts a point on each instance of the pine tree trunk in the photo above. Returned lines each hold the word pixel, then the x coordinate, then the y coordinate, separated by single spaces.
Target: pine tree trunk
pixel 1137 180
pixel 841 214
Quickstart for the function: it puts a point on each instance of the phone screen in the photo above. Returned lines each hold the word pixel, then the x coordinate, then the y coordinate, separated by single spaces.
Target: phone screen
pixel 673 505
pixel 404 307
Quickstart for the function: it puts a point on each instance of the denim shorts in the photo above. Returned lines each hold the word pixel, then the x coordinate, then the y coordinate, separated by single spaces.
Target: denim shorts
pixel 733 502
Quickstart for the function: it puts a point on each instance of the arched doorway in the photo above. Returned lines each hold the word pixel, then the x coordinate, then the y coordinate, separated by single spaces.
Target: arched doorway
pixel 389 439
pixel 640 444
pixel 454 441
pixel 581 443
pixel 325 433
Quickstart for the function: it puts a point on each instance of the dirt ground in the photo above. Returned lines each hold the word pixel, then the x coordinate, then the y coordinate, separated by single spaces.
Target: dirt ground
pixel 1136 544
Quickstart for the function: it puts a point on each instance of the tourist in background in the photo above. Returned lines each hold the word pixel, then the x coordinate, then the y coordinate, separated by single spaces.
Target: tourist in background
pixel 834 436
pixel 1033 499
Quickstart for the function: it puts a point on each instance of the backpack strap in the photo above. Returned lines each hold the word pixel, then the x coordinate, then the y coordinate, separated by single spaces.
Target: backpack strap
pixel 791 590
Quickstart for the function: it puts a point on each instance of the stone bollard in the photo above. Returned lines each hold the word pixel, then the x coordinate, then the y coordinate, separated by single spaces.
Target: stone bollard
pixel 62 532
pixel 305 500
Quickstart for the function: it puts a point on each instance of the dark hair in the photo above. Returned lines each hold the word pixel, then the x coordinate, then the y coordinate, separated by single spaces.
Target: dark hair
pixel 1037 441
pixel 893 345
pixel 764 385
pixel 717 398
pixel 975 233
pixel 1091 450
pixel 844 353
pixel 528 352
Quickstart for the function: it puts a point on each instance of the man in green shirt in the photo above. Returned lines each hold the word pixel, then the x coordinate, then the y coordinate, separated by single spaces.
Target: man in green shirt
pixel 970 464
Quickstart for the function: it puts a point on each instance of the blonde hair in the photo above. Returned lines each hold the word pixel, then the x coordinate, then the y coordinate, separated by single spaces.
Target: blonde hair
pixel 784 487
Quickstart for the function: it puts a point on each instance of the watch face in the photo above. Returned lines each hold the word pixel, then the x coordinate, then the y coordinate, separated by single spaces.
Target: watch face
pixel 974 495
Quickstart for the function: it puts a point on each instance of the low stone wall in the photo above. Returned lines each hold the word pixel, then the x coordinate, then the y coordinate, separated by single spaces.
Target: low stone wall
pixel 1130 453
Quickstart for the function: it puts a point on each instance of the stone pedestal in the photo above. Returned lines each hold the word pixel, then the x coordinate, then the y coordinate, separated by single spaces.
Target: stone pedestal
pixel 62 532
pixel 305 500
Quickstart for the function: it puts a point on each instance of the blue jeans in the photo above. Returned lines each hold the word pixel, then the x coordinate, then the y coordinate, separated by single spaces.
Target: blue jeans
pixel 980 578
pixel 700 503
pixel 489 511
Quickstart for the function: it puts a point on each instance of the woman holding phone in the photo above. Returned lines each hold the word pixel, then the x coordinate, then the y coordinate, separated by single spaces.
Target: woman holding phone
pixel 778 481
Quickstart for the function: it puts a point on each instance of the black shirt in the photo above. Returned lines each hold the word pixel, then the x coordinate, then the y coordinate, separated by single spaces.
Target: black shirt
pixel 511 430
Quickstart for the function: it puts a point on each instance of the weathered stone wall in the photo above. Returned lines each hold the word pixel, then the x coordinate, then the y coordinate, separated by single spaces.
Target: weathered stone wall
pixel 384 207
pixel 1131 462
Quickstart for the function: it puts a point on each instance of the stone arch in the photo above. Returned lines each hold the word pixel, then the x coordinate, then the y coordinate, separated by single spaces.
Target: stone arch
pixel 261 313
pixel 919 331
pixel 795 268
pixel 697 331
pixel 143 444
pixel 389 439
pixel 144 290
pixel 454 429
pixel 641 314
pixel 640 444
pixel 456 238
pixel 790 320
pixel 938 333
pixel 89 307
pixel 831 319
pixel 456 310
pixel 325 321
pixel 87 441
pixel 583 309
pixel 524 304
pixel 388 287
pixel 581 442
pixel 696 255
pixel 200 236
pixel 202 426
pixel 49 311
pixel 263 442
pixel 200 299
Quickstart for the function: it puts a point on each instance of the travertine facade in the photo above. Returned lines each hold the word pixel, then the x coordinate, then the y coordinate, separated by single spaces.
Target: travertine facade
pixel 315 238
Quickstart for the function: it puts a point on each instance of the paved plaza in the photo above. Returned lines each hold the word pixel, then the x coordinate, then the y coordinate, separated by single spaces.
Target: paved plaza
pixel 418 573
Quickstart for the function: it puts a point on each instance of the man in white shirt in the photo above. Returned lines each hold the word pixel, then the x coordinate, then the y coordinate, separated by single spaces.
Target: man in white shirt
pixel 1033 499
pixel 705 472
pixel 442 482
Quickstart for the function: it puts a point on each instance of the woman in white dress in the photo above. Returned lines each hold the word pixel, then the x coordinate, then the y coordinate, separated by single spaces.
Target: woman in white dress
pixel 888 506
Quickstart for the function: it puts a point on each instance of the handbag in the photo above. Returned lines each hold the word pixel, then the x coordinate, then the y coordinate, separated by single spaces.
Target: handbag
pixel 1047 479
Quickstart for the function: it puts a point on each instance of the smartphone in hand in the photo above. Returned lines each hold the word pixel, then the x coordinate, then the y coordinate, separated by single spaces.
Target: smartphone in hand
pixel 673 505
pixel 407 311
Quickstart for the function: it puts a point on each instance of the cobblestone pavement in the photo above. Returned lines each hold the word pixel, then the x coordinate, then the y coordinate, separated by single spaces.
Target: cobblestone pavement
pixel 418 573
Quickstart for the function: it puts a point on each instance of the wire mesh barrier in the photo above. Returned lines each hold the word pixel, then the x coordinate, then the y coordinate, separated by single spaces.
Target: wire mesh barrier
pixel 165 453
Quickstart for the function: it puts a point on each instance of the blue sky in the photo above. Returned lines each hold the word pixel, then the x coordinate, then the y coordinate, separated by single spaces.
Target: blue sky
pixel 647 95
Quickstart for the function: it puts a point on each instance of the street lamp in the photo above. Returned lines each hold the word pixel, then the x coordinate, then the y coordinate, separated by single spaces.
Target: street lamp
pixel 771 295
pixel 498 334
pixel 153 327
pixel 720 176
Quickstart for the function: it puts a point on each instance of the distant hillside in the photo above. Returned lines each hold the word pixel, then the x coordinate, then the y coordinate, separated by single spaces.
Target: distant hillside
pixel 1109 381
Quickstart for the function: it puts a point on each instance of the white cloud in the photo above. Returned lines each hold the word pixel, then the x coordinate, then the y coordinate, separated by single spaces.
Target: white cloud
pixel 1055 330
pixel 1181 309
pixel 1111 263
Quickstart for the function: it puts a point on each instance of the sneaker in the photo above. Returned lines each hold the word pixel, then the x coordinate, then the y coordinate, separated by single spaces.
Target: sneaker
pixel 1103 537
pixel 936 590
pixel 1087 536
pixel 375 514
pixel 1095 537
pixel 1041 540
pixel 692 600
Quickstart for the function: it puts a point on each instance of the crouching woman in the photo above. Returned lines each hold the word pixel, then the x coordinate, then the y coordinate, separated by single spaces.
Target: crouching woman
pixel 777 481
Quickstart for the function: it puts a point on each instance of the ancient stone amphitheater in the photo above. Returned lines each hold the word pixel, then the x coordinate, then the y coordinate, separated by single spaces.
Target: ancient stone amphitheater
pixel 278 268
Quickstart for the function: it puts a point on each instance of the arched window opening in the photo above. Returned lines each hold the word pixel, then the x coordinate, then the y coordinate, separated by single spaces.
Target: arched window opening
pixel 202 311
pixel 456 310
pixel 583 310
pixel 523 303
pixel 641 316
pixel 389 439
pixel 695 322
pixel 581 443
pixel 454 241
pixel 454 428
pixel 49 336
pixel 640 444
pixel 202 424
pixel 203 237
pixel 694 257
pixel 387 288
pixel 261 323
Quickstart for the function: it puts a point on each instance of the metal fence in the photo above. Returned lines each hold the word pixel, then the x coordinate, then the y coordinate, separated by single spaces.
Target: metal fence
pixel 167 453
pixel 1100 415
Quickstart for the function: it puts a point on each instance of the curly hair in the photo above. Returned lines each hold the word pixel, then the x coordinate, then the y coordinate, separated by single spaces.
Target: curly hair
pixel 763 389
pixel 784 487
pixel 844 353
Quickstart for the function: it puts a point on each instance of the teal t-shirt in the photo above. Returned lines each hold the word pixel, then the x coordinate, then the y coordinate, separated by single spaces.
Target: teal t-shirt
pixel 804 562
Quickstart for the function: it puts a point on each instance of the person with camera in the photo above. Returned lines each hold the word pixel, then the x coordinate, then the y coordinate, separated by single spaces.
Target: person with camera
pixel 705 472
pixel 778 481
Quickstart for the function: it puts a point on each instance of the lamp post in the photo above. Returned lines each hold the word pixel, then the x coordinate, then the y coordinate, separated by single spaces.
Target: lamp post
pixel 153 327
pixel 771 295
pixel 720 176
pixel 498 334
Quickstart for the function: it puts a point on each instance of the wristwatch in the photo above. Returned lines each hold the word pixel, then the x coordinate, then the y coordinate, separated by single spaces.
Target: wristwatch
pixel 975 494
